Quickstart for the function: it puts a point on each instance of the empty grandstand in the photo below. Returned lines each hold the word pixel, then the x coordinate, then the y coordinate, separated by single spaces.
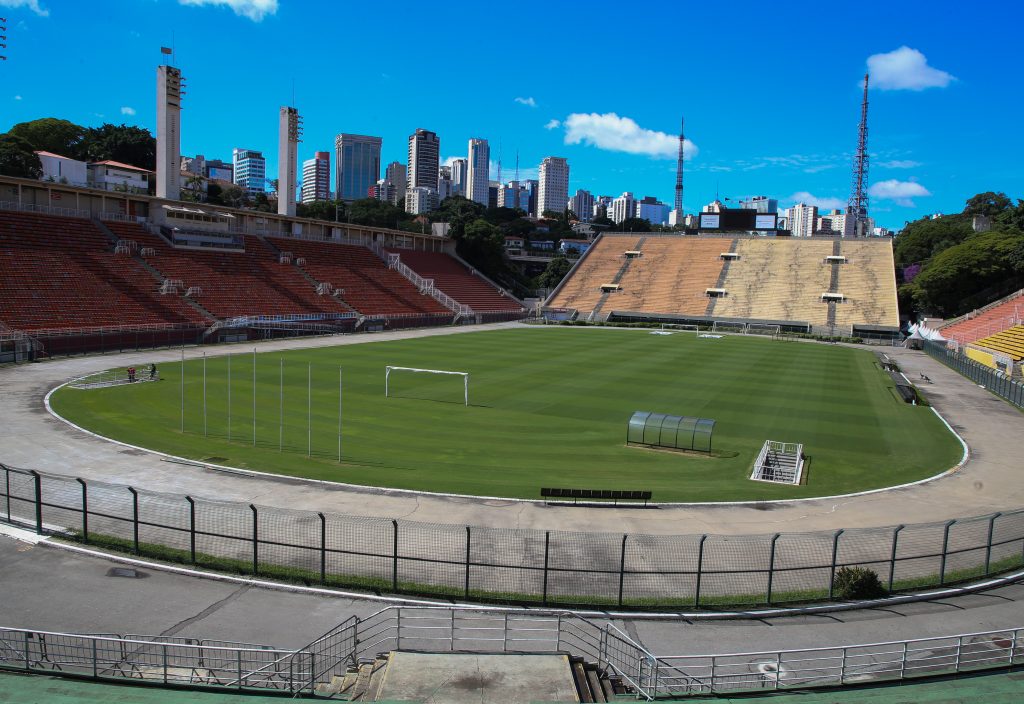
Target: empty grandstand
pixel 833 284
pixel 1003 351
pixel 988 320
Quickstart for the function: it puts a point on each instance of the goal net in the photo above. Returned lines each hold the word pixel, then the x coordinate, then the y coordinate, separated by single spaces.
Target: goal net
pixel 763 329
pixel 722 326
pixel 427 384
pixel 679 327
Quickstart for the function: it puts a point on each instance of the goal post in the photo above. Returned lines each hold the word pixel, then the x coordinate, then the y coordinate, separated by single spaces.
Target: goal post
pixel 415 370
pixel 729 326
pixel 679 327
pixel 763 329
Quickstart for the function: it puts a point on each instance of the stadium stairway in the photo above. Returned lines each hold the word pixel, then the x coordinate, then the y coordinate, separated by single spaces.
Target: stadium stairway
pixel 458 282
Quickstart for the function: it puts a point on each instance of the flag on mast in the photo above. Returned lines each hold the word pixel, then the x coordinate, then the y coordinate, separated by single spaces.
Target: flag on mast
pixel 166 50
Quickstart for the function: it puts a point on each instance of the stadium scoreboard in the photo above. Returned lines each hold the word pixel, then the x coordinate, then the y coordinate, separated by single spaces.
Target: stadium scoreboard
pixel 738 220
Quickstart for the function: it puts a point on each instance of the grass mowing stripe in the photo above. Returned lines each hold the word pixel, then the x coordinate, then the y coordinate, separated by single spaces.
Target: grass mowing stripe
pixel 549 407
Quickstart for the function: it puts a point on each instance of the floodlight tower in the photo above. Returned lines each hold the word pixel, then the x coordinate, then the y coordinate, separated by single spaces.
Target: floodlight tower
pixel 289 131
pixel 169 92
pixel 857 210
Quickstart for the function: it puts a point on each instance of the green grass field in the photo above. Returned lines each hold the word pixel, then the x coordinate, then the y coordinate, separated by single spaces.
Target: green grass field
pixel 549 407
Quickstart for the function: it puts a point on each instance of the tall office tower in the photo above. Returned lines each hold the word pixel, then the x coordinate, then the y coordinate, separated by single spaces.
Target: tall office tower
pixel 553 193
pixel 583 205
pixel 459 168
pixel 396 174
pixel 478 178
pixel 357 165
pixel 316 177
pixel 249 171
pixel 169 83
pixel 289 130
pixel 424 160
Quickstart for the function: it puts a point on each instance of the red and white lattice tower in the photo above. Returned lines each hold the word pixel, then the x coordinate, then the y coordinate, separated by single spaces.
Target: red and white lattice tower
pixel 857 210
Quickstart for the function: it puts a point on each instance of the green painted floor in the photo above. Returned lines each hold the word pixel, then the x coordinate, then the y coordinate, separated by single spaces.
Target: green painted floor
pixel 980 689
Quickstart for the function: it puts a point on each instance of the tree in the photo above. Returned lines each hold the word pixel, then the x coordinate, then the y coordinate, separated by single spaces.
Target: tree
pixel 500 216
pixel 482 245
pixel 333 210
pixel 234 196
pixel 124 143
pixel 633 225
pixel 49 134
pixel 556 270
pixel 375 213
pixel 602 220
pixel 988 204
pixel 17 158
pixel 924 238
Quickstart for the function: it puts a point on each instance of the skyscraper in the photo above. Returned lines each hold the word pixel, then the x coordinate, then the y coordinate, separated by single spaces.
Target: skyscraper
pixel 583 205
pixel 478 178
pixel 554 185
pixel 424 160
pixel 357 165
pixel 459 168
pixel 396 173
pixel 316 177
pixel 622 207
pixel 802 219
pixel 250 170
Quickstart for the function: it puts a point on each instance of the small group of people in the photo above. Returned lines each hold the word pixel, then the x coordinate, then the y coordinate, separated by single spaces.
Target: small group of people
pixel 132 374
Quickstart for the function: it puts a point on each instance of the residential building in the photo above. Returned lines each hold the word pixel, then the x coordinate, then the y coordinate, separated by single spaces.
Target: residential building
pixel 602 206
pixel 383 190
pixel 249 170
pixel 553 193
pixel 459 169
pixel 115 176
pixel 396 175
pixel 622 207
pixel 802 219
pixel 62 169
pixel 420 200
pixel 445 187
pixel 357 165
pixel 762 204
pixel 316 177
pixel 836 222
pixel 652 210
pixel 583 205
pixel 514 195
pixel 217 170
pixel 478 175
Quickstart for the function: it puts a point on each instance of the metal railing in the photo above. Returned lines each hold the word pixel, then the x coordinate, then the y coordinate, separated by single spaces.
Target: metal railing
pixel 67 212
pixel 508 565
pixel 998 383
pixel 423 285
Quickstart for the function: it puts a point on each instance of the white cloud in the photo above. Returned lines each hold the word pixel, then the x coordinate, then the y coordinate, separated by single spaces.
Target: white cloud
pixel 552 124
pixel 899 164
pixel 17 97
pixel 30 4
pixel 905 69
pixel 528 102
pixel 900 192
pixel 255 10
pixel 622 134
pixel 826 203
pixel 127 110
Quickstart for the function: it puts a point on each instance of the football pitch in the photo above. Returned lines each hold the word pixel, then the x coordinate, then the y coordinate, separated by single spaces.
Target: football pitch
pixel 547 407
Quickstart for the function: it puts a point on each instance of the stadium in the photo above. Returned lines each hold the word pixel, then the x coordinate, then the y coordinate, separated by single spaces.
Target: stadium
pixel 262 454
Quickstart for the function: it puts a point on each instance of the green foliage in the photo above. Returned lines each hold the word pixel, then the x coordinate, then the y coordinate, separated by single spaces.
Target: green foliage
pixel 857 583
pixel 125 143
pixel 988 204
pixel 50 134
pixel 501 216
pixel 332 210
pixel 924 238
pixel 375 213
pixel 17 158
pixel 633 225
pixel 952 277
pixel 556 270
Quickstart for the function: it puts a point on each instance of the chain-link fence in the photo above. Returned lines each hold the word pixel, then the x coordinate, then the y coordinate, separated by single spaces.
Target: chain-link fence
pixel 996 382
pixel 503 564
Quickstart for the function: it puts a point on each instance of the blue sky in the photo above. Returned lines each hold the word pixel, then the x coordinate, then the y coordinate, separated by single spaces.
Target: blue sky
pixel 770 91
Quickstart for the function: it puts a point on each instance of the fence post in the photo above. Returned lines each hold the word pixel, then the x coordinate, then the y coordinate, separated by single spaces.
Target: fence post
pixel 191 528
pixel 323 548
pixel 38 486
pixel 945 549
pixel 892 556
pixel 988 541
pixel 394 562
pixel 255 540
pixel 835 555
pixel 85 511
pixel 7 482
pixel 468 537
pixel 700 567
pixel 547 544
pixel 622 566
pixel 771 568
pixel 135 520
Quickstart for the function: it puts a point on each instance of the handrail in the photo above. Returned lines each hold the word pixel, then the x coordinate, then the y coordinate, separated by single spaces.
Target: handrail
pixel 394 261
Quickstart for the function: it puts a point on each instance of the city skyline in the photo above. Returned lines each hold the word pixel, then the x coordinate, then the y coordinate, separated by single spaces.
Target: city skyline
pixel 930 146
